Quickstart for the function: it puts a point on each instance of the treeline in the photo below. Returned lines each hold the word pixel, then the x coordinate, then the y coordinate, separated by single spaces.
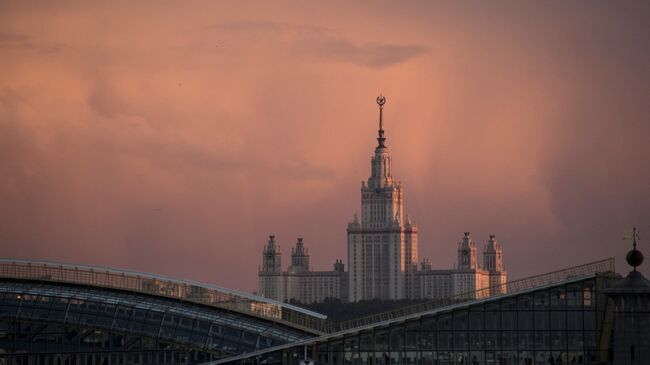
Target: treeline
pixel 337 310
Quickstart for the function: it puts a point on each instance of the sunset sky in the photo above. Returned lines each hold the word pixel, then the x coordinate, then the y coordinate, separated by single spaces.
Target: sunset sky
pixel 174 137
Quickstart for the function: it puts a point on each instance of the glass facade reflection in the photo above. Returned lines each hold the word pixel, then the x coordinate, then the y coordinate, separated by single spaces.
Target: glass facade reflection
pixel 559 324
pixel 44 323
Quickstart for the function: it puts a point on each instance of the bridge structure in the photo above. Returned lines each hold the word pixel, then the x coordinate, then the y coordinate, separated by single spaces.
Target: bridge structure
pixel 55 310
pixel 64 313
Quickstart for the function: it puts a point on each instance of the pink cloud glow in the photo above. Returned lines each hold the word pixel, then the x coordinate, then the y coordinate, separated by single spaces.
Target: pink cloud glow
pixel 173 138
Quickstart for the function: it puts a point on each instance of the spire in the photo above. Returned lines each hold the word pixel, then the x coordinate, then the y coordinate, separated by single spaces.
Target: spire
pixel 381 100
pixel 634 257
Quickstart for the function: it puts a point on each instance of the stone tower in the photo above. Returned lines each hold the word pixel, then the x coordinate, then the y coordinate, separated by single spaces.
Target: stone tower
pixel 382 247
pixel 270 276
pixel 493 264
pixel 467 253
pixel 299 258
pixel 271 257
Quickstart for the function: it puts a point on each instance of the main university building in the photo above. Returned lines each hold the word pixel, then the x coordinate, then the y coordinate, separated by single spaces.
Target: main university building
pixel 382 253
pixel 69 314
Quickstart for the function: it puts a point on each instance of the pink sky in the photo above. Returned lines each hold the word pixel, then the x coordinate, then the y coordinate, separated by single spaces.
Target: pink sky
pixel 175 137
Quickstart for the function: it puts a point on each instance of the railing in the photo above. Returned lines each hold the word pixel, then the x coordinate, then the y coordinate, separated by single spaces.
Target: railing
pixel 606 265
pixel 261 307
pixel 166 287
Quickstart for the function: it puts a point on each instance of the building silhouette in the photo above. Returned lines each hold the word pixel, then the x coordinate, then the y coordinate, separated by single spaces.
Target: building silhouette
pixel 382 252
pixel 298 283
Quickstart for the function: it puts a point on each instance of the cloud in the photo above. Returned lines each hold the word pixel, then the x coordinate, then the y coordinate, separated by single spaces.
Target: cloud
pixel 28 42
pixel 372 55
pixel 322 43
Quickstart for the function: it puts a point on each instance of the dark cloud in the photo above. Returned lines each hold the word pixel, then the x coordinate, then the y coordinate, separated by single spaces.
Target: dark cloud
pixel 9 41
pixel 365 55
pixel 325 44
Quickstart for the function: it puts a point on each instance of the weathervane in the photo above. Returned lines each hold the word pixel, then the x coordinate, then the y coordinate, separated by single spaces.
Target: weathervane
pixel 634 257
pixel 633 236
pixel 381 100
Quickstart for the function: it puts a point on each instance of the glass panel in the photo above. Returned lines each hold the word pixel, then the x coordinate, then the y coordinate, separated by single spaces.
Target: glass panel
pixel 461 342
pixel 493 320
pixel 381 340
pixel 558 340
pixel 412 358
pixel 542 322
pixel 476 320
pixel 541 301
pixel 351 344
pixel 508 305
pixel 477 358
pixel 429 340
pixel 493 358
pixel 542 340
pixel 476 340
pixel 558 298
pixel 460 320
pixel 461 358
pixel 444 322
pixel 493 340
pixel 445 358
pixel 574 296
pixel 574 320
pixel 412 339
pixel 559 357
pixel 493 307
pixel 589 320
pixel 397 338
pixel 525 322
pixel 558 320
pixel 575 340
pixel 509 357
pixel 526 340
pixel 509 320
pixel 509 340
pixel 591 339
pixel 365 342
pixel 575 357
pixel 525 302
pixel 445 340
pixel 428 357
pixel 526 357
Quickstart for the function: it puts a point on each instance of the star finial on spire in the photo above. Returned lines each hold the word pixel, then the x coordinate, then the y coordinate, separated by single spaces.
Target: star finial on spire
pixel 381 100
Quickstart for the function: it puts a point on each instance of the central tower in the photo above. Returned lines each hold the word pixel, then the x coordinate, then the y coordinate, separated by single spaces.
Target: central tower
pixel 382 246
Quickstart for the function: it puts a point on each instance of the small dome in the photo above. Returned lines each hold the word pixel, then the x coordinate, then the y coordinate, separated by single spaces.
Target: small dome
pixel 634 258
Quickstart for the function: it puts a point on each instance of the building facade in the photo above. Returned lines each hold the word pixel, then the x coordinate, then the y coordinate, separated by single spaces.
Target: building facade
pixel 298 283
pixel 468 278
pixel 382 253
pixel 382 246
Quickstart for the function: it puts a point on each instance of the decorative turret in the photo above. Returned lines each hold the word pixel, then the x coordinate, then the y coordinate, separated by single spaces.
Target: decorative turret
pixel 339 267
pixel 466 253
pixel 492 260
pixel 299 258
pixel 271 257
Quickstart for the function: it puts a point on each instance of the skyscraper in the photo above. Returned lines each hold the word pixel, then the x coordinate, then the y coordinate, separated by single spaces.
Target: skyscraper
pixel 382 246
pixel 382 253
